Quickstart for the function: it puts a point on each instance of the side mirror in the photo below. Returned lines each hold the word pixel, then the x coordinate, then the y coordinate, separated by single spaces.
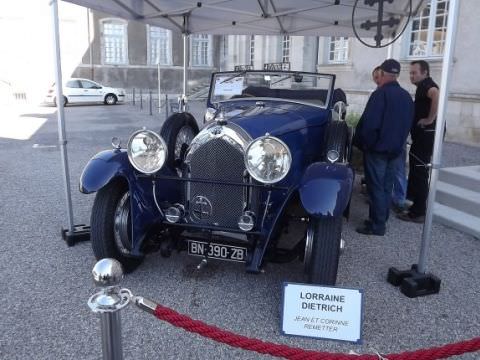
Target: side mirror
pixel 339 111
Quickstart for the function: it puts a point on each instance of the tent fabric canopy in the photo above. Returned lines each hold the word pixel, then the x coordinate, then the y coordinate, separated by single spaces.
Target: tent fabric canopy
pixel 260 17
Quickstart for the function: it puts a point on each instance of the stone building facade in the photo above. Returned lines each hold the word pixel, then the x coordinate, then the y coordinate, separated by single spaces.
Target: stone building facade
pixel 130 54
pixel 352 62
pixel 123 53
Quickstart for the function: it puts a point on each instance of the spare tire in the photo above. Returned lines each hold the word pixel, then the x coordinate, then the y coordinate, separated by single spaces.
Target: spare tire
pixel 178 132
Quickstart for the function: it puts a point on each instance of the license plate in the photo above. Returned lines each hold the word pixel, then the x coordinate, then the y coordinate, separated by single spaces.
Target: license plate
pixel 217 251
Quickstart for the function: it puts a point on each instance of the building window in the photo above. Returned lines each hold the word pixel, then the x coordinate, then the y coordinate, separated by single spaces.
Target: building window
pixel 159 44
pixel 286 49
pixel 428 30
pixel 114 42
pixel 252 49
pixel 201 45
pixel 338 50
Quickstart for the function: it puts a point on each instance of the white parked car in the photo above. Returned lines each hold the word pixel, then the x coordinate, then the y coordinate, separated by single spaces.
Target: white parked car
pixel 78 91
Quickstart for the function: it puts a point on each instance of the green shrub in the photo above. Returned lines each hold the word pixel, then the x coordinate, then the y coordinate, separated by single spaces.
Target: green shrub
pixel 352 119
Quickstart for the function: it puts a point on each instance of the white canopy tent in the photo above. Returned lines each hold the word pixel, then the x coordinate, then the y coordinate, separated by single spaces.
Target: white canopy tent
pixel 259 17
pixel 365 18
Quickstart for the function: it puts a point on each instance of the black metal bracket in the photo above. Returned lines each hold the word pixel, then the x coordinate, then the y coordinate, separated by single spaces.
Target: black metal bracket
pixel 80 233
pixel 412 283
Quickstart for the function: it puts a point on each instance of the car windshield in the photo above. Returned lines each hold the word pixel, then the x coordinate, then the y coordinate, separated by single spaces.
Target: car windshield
pixel 306 88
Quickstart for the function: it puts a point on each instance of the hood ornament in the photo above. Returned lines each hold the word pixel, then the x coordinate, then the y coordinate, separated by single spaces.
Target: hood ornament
pixel 220 118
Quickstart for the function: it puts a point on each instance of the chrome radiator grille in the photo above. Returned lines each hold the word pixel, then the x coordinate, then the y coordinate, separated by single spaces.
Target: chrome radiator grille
pixel 217 204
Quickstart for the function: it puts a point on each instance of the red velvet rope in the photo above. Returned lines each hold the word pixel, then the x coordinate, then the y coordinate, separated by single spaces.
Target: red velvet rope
pixel 262 347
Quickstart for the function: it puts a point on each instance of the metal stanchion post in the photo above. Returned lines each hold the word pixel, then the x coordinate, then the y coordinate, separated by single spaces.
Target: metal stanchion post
pixel 141 100
pixel 108 302
pixel 150 96
pixel 166 106
pixel 133 96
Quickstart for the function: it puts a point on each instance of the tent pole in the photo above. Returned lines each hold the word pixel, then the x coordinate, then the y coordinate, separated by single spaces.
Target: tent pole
pixel 159 89
pixel 390 51
pixel 437 147
pixel 73 233
pixel 185 72
pixel 415 282
pixel 60 112
pixel 183 101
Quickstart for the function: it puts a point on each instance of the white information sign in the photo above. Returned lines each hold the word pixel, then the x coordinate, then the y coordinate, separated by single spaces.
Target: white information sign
pixel 322 312
pixel 228 87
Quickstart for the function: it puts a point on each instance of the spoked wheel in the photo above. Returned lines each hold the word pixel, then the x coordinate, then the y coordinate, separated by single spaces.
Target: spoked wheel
pixel 111 226
pixel 322 250
pixel 110 99
pixel 184 138
pixel 178 132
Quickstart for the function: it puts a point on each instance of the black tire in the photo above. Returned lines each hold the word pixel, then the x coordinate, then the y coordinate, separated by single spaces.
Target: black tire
pixel 65 101
pixel 321 263
pixel 108 240
pixel 336 138
pixel 110 99
pixel 176 125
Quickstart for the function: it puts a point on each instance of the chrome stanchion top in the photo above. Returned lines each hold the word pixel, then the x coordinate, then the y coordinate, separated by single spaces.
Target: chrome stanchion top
pixel 107 274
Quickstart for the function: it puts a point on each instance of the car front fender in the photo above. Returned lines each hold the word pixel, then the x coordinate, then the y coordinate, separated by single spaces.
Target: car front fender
pixel 104 167
pixel 325 189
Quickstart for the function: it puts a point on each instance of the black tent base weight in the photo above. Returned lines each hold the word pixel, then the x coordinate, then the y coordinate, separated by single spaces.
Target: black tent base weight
pixel 412 283
pixel 80 232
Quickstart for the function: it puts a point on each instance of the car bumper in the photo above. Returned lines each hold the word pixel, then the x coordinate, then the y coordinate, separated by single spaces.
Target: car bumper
pixel 48 99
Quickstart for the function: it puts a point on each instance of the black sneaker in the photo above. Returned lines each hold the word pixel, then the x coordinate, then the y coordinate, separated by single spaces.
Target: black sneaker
pixel 367 230
pixel 407 216
pixel 399 209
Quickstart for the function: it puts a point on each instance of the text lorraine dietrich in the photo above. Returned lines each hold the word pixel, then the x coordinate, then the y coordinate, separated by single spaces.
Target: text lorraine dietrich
pixel 322 302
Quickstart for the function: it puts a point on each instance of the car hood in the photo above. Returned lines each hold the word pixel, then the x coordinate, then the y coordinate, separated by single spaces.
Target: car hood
pixel 274 117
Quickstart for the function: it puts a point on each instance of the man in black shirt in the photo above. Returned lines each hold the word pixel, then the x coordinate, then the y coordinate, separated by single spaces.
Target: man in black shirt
pixel 423 136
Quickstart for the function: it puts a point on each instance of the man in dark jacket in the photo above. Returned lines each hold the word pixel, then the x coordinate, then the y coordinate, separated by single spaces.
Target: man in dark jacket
pixel 381 134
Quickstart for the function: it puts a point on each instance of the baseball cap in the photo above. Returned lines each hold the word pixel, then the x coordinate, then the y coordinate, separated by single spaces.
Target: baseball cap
pixel 391 66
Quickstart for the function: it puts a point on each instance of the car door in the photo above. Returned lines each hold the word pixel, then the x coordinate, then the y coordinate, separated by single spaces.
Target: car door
pixel 93 92
pixel 73 91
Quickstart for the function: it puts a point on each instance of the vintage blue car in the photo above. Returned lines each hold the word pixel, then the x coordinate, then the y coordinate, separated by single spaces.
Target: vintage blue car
pixel 267 178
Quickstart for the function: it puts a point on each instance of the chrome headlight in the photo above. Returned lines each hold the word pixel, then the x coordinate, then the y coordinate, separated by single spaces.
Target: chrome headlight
pixel 147 151
pixel 333 156
pixel 268 159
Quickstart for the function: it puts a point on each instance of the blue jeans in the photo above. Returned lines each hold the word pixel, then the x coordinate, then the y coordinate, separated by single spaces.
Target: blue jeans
pixel 379 174
pixel 399 180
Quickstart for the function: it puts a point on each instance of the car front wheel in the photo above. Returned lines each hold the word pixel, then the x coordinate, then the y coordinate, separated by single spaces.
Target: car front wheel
pixel 322 250
pixel 110 99
pixel 65 101
pixel 111 226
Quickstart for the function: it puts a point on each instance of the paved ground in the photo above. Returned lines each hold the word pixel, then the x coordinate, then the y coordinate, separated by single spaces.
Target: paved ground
pixel 45 285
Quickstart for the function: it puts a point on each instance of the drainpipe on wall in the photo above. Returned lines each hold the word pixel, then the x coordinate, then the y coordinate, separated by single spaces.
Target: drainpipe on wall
pixel 90 43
